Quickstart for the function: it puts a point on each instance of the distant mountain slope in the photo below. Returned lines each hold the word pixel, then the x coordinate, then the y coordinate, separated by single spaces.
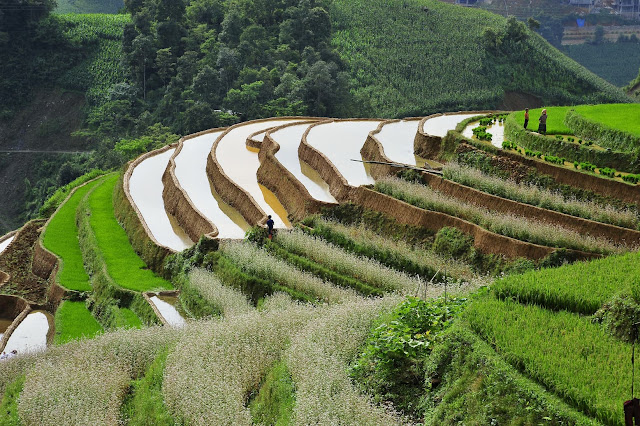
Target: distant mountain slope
pixel 420 56
pixel 89 6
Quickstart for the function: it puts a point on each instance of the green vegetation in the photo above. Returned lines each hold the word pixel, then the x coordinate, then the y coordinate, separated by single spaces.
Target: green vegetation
pixel 395 254
pixel 101 68
pixel 123 264
pixel 9 403
pixel 469 383
pixel 89 6
pixel 622 117
pixel 396 54
pixel 555 119
pixel 390 366
pixel 582 287
pixel 74 321
pixel 63 192
pixel 273 405
pixel 593 375
pixel 533 195
pixel 61 238
pixel 605 60
pixel 144 405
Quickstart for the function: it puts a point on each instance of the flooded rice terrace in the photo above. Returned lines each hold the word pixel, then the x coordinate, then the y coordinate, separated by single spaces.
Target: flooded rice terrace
pixel 191 172
pixel 31 334
pixel 241 164
pixel 440 125
pixel 146 188
pixel 170 308
pixel 289 139
pixel 397 141
pixel 341 142
pixel 5 243
pixel 496 130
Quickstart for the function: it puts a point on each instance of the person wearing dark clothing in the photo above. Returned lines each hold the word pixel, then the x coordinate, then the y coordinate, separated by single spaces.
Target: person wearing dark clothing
pixel 542 127
pixel 526 117
pixel 270 226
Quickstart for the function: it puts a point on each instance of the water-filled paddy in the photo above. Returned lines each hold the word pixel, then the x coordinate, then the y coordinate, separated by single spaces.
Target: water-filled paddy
pixel 341 142
pixel 191 172
pixel 146 188
pixel 31 334
pixel 440 125
pixel 241 164
pixel 289 140
pixel 397 141
pixel 496 130
pixel 169 307
pixel 5 243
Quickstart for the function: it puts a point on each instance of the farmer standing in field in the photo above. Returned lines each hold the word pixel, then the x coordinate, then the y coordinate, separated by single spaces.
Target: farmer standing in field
pixel 526 117
pixel 270 226
pixel 542 127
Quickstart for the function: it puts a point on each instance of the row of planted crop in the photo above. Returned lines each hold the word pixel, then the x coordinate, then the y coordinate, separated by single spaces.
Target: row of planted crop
pixel 578 165
pixel 539 197
pixel 569 354
pixel 206 370
pixel 517 227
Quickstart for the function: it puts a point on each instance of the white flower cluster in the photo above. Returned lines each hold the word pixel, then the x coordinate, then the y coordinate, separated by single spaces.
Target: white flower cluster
pixel 217 363
pixel 318 360
pixel 230 301
pixel 84 382
pixel 252 259
pixel 362 268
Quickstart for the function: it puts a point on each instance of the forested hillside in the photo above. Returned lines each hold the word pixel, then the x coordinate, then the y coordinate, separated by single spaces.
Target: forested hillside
pixel 167 68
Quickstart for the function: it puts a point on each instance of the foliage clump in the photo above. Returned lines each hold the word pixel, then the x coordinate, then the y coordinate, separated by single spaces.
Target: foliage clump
pixel 391 365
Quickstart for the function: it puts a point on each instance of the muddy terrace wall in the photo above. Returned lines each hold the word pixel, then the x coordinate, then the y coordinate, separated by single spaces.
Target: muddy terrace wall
pixel 430 146
pixel 372 150
pixel 140 237
pixel 338 185
pixel 290 191
pixel 179 205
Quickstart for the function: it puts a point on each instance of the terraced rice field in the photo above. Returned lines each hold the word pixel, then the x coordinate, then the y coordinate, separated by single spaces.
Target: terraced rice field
pixel 496 130
pixel 145 187
pixel 341 142
pixel 440 125
pixel 289 139
pixel 191 172
pixel 31 334
pixel 397 141
pixel 241 164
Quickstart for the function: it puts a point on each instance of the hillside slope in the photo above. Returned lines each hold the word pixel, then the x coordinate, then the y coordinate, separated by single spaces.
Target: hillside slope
pixel 412 58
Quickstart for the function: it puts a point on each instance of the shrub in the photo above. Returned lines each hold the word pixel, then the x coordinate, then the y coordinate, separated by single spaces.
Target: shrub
pixel 606 171
pixel 391 365
pixel 453 242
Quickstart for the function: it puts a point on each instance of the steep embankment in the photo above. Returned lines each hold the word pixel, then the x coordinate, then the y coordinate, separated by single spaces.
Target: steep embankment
pixel 411 58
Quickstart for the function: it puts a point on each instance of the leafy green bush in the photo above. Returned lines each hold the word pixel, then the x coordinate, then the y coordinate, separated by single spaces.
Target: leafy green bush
pixel 588 167
pixel 554 160
pixel 606 171
pixel 391 365
pixel 453 242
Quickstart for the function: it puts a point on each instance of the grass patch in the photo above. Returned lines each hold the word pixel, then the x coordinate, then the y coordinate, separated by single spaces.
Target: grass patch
pixel 616 116
pixel 568 354
pixel 9 405
pixel 273 405
pixel 123 264
pixel 74 321
pixel 582 287
pixel 555 119
pixel 61 238
pixel 468 383
pixel 145 404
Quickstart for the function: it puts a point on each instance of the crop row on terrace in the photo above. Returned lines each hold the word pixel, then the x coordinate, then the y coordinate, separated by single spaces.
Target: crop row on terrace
pixel 536 196
pixel 520 228
pixel 571 356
